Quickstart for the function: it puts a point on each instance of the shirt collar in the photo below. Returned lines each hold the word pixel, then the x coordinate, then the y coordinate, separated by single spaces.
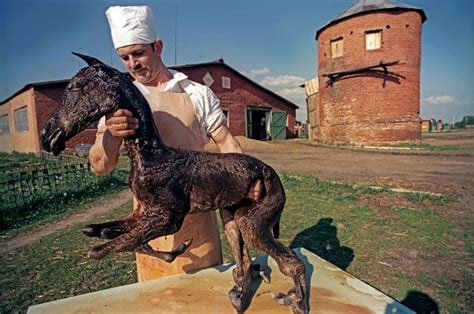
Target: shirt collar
pixel 172 85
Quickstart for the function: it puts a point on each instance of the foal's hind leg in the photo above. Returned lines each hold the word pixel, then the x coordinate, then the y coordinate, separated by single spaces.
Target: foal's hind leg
pixel 287 261
pixel 240 295
pixel 256 227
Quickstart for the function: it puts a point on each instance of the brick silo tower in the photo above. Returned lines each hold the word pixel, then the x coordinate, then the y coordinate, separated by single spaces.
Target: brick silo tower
pixel 369 75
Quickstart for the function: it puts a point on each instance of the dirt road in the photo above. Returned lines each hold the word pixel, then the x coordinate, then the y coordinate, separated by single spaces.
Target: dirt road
pixel 96 209
pixel 438 171
pixel 444 171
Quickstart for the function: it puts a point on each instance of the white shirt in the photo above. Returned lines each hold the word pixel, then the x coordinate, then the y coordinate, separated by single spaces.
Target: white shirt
pixel 206 104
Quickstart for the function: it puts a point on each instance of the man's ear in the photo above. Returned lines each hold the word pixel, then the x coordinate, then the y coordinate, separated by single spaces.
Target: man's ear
pixel 158 46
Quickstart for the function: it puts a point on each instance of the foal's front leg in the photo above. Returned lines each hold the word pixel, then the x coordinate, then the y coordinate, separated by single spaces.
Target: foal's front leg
pixel 165 256
pixel 113 229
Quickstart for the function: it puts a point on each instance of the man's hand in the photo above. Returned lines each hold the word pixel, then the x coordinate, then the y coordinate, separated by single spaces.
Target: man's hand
pixel 121 123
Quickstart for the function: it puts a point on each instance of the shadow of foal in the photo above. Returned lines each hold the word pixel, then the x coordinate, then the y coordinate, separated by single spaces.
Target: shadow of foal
pixel 170 183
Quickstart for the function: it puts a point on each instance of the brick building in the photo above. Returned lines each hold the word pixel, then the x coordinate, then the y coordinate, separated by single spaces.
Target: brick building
pixel 252 110
pixel 23 114
pixel 369 75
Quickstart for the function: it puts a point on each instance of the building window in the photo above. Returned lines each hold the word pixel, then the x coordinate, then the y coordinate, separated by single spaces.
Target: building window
pixel 337 46
pixel 21 119
pixel 373 40
pixel 226 82
pixel 4 125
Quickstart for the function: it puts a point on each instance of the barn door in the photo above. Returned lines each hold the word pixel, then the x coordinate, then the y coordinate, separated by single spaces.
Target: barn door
pixel 249 122
pixel 278 126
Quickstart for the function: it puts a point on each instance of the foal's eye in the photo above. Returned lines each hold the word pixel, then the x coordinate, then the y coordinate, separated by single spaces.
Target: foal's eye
pixel 75 88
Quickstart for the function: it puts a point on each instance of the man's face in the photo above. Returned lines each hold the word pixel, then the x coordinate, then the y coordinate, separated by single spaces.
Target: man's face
pixel 142 62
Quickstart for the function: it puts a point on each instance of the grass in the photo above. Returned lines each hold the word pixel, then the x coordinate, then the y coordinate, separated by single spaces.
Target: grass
pixel 19 159
pixel 404 245
pixel 57 267
pixel 427 146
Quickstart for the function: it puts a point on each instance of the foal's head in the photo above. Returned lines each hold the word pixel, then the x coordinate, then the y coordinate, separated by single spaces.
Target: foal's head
pixel 93 92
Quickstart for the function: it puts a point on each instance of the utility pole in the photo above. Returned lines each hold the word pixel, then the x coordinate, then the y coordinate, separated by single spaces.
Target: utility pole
pixel 176 34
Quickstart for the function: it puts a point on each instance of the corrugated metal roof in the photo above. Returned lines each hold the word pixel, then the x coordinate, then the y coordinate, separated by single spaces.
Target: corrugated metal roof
pixel 363 6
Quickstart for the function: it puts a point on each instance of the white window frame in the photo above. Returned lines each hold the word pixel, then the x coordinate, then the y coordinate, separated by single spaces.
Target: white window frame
pixel 373 39
pixel 337 47
pixel 226 83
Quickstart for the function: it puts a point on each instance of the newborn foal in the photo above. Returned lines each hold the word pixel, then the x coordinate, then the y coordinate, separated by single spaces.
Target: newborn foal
pixel 170 183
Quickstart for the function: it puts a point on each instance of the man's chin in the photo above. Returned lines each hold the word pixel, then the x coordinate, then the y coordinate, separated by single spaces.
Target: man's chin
pixel 140 79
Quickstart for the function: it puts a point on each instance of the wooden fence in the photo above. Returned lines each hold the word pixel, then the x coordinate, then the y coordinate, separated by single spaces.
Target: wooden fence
pixel 25 185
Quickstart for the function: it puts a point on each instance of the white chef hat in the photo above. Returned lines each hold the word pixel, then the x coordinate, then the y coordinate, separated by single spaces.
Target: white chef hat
pixel 131 25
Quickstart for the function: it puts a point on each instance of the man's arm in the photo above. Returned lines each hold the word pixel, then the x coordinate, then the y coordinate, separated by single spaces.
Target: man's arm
pixel 105 152
pixel 225 142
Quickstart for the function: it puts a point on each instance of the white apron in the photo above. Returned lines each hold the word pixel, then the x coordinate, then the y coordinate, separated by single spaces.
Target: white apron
pixel 176 119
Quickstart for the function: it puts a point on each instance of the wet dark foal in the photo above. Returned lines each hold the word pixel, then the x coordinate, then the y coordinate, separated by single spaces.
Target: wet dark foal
pixel 170 183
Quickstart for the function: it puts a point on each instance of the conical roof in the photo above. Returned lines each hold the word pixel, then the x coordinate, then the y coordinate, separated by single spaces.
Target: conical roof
pixel 363 6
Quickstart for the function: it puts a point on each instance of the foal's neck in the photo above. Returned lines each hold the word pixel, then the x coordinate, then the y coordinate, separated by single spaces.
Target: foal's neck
pixel 146 142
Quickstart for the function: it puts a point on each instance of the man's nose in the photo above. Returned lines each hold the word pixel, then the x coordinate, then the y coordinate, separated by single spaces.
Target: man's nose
pixel 133 62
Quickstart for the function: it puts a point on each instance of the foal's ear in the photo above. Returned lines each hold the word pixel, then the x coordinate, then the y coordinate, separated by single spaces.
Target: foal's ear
pixel 89 60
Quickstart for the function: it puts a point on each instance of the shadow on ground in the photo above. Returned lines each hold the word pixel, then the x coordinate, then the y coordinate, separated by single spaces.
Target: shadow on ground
pixel 420 302
pixel 321 239
pixel 416 301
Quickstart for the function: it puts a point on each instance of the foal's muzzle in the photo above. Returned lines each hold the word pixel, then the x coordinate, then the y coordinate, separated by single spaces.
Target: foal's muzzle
pixel 53 138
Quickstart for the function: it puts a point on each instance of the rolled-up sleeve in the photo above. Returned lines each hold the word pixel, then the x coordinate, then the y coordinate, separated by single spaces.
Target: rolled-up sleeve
pixel 214 118
pixel 101 127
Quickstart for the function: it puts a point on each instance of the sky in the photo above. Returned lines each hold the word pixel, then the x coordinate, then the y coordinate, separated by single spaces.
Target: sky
pixel 271 41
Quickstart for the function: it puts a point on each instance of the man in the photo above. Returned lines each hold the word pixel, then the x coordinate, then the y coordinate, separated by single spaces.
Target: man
pixel 187 115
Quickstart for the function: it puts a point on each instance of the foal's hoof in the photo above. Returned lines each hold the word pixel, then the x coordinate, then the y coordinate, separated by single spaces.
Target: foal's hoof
pixel 90 231
pixel 185 244
pixel 240 300
pixel 293 301
pixel 183 247
pixel 110 234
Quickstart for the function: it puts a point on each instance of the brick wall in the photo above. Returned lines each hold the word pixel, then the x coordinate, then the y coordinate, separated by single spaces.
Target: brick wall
pixel 359 108
pixel 242 94
pixel 42 99
pixel 46 99
pixel 21 141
